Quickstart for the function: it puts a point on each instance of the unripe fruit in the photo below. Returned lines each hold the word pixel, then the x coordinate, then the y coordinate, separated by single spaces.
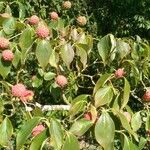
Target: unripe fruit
pixel 33 20
pixel 119 73
pixel 7 55
pixel 81 20
pixel 4 43
pixel 54 16
pixel 42 32
pixel 146 96
pixel 66 4
pixel 128 116
pixel 18 90
pixel 61 80
pixel 37 130
pixel 88 116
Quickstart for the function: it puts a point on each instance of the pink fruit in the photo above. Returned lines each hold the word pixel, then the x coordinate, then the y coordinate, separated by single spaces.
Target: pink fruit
pixel 88 116
pixel 66 4
pixel 146 96
pixel 42 32
pixel 54 16
pixel 4 43
pixel 27 95
pixel 18 90
pixel 128 116
pixel 81 20
pixel 37 130
pixel 7 55
pixel 33 20
pixel 119 73
pixel 61 80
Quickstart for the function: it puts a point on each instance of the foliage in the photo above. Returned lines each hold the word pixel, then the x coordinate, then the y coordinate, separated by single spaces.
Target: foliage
pixel 106 111
pixel 122 18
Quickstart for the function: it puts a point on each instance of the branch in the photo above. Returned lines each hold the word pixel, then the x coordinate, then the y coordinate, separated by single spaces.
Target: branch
pixel 48 107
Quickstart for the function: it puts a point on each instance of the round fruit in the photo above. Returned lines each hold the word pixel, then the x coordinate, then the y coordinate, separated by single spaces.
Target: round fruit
pixel 54 16
pixel 61 80
pixel 42 32
pixel 33 20
pixel 66 4
pixel 119 73
pixel 81 20
pixel 37 130
pixel 7 55
pixel 146 96
pixel 18 90
pixel 4 43
pixel 88 116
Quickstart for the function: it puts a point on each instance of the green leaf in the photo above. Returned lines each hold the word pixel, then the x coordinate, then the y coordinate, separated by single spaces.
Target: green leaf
pixel 22 11
pixel 4 68
pixel 116 102
pixel 147 125
pixel 126 124
pixel 52 59
pixel 136 121
pixel 134 70
pixel 78 104
pixel 26 39
pixel 71 143
pixel 60 24
pixel 38 140
pixel 26 131
pixel 49 76
pixel 20 26
pixel 6 131
pixel 56 133
pixel 37 82
pixel 41 72
pixel 37 112
pixel 81 52
pixel 105 46
pixel 1 106
pixel 101 82
pixel 142 143
pixel 17 58
pixel 25 42
pixel 9 25
pixel 126 93
pixel 1 6
pixel 89 43
pixel 8 9
pixel 67 54
pixel 82 38
pixel 80 127
pixel 122 48
pixel 43 52
pixel 126 145
pixel 105 131
pixel 103 96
